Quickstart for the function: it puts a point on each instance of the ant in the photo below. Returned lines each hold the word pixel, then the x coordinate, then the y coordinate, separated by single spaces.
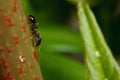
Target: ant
pixel 34 30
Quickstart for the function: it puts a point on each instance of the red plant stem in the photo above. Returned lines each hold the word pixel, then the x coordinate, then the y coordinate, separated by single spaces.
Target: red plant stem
pixel 18 59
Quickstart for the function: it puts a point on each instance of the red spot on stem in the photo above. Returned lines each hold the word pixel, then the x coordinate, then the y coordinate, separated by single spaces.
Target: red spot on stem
pixel 15 5
pixel 35 56
pixel 8 21
pixel 5 78
pixel 16 40
pixel 5 63
pixel 23 28
pixel 8 49
pixel 36 78
pixel 9 75
pixel 1 49
pixel 21 70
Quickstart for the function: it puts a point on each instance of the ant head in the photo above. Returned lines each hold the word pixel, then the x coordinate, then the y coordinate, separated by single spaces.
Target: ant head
pixel 31 19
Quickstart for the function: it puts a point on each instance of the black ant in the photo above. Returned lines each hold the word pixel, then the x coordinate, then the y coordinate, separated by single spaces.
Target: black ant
pixel 34 31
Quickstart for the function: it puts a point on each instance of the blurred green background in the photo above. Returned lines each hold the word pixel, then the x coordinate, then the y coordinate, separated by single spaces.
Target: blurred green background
pixel 61 53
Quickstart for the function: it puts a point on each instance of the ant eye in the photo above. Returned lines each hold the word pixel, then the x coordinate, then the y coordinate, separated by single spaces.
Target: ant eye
pixel 31 18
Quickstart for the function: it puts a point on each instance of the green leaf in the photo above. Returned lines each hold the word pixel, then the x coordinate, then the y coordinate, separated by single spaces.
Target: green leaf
pixel 57 67
pixel 56 38
pixel 91 2
pixel 100 63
